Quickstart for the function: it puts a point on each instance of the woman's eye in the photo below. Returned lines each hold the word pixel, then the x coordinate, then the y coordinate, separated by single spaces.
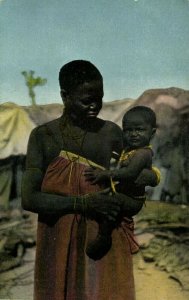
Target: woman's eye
pixel 86 102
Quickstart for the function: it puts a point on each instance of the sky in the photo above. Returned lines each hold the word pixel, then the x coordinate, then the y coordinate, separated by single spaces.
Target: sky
pixel 136 45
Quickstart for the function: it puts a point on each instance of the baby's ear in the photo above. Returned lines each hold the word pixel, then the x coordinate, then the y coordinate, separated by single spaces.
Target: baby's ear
pixel 153 131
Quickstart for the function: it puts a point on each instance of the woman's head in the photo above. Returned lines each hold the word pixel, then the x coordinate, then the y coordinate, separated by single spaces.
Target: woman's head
pixel 81 89
pixel 78 72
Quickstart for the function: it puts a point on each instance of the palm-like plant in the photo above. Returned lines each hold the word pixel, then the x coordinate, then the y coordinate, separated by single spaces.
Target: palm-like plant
pixel 32 82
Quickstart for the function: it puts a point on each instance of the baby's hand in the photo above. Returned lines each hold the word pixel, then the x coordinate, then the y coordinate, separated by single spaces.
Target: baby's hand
pixel 96 175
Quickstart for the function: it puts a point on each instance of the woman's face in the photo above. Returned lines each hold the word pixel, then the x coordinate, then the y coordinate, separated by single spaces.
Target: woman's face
pixel 85 102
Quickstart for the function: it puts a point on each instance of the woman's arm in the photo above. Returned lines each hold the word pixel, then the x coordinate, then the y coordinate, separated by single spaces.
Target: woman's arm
pixel 32 197
pixel 131 206
pixel 43 203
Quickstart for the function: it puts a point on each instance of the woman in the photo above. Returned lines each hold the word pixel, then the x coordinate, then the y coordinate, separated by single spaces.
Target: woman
pixel 62 269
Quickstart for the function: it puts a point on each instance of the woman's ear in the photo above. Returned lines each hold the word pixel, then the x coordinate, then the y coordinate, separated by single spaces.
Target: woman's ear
pixel 63 95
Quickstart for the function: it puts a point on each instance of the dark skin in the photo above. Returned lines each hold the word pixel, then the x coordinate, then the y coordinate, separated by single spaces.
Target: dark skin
pixel 97 141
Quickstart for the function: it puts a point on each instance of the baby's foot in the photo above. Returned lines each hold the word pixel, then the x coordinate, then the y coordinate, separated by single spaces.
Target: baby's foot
pixel 99 247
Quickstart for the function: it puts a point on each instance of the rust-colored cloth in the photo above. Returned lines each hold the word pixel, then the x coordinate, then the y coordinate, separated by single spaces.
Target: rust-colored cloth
pixel 63 271
pixel 65 175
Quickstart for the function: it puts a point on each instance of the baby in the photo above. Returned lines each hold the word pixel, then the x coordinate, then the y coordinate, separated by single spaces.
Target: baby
pixel 139 126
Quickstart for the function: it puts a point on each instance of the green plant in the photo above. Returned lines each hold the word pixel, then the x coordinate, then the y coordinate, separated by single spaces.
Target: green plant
pixel 32 82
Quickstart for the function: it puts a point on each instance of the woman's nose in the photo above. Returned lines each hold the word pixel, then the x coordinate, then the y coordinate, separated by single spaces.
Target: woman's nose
pixel 92 106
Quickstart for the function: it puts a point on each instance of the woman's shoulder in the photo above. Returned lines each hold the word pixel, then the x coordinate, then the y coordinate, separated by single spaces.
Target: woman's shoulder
pixel 109 125
pixel 46 128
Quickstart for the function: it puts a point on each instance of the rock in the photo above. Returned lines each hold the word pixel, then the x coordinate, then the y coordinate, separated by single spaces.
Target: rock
pixel 16 234
pixel 144 239
pixel 167 238
pixel 182 277
pixel 170 143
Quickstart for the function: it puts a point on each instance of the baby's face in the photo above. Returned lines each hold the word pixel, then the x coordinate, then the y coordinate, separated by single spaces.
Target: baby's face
pixel 136 132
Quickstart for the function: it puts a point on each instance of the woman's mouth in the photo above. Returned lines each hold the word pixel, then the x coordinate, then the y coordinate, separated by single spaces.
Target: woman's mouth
pixel 92 113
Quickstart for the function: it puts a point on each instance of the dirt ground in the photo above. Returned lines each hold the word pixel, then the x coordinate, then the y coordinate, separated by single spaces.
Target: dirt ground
pixel 151 283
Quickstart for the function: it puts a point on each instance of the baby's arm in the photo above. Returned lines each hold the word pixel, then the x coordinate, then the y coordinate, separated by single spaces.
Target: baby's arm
pixel 149 177
pixel 97 175
pixel 129 170
pixel 132 167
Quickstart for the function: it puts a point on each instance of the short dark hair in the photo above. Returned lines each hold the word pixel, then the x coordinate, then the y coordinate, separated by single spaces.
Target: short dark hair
pixel 77 72
pixel 147 113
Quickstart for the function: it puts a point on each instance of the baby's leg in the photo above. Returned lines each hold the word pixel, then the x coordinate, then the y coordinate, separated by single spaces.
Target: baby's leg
pixel 102 244
pixel 99 247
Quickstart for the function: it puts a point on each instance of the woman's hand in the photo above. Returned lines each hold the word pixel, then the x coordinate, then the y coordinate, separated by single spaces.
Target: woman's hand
pixel 102 206
pixel 96 175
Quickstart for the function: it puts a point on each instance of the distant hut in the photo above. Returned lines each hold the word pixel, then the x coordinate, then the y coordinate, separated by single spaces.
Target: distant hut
pixel 15 127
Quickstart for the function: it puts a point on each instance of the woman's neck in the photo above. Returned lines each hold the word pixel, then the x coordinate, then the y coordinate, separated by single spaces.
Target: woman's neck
pixel 84 124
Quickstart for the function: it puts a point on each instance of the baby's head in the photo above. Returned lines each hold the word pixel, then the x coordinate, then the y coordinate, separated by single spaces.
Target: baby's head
pixel 139 126
pixel 81 86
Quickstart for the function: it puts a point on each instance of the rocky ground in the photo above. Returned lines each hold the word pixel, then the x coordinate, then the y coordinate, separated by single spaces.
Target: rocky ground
pixel 151 283
pixel 159 275
pixel 17 284
pixel 154 284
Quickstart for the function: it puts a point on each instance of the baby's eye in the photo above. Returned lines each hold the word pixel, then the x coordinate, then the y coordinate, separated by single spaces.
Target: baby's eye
pixel 140 128
pixel 127 129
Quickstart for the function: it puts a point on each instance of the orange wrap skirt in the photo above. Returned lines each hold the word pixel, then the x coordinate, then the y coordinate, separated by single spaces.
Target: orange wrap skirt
pixel 62 270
